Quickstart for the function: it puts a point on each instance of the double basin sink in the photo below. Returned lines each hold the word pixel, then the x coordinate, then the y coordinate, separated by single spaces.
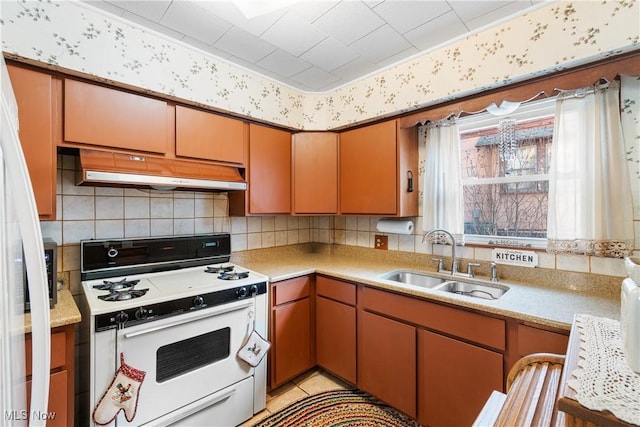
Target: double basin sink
pixel 455 286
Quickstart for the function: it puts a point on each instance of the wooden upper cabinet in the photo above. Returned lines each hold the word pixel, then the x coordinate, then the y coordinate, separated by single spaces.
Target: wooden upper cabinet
pixel 268 174
pixel 100 116
pixel 376 163
pixel 34 93
pixel 209 136
pixel 315 173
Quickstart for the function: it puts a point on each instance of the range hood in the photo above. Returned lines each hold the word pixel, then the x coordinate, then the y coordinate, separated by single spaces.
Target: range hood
pixel 117 169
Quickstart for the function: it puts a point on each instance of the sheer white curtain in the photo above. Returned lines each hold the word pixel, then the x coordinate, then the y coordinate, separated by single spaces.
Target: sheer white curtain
pixel 590 207
pixel 443 205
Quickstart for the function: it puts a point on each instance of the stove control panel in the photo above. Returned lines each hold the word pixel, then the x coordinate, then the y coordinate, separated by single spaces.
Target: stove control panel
pixel 135 316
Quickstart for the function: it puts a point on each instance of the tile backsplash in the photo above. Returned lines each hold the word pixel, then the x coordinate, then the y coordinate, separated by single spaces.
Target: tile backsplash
pixel 87 212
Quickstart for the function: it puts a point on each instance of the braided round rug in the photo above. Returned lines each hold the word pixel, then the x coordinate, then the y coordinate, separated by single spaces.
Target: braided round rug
pixel 338 408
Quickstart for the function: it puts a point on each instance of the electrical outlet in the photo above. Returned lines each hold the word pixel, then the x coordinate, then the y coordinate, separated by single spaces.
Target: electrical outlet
pixel 381 242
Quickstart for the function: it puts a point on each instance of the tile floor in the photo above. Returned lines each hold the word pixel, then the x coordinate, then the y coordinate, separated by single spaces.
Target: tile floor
pixel 312 382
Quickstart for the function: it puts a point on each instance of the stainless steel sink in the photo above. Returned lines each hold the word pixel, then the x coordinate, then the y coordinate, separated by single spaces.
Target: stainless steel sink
pixel 413 278
pixel 473 289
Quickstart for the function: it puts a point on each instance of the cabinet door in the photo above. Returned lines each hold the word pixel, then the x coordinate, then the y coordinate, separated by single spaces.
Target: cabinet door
pixel 336 338
pixel 368 170
pixel 292 340
pixel 209 136
pixel 34 95
pixel 269 170
pixel 112 118
pixel 57 404
pixel 454 380
pixel 315 173
pixel 387 361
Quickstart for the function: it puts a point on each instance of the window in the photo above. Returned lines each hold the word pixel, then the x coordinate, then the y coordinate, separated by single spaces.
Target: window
pixel 505 178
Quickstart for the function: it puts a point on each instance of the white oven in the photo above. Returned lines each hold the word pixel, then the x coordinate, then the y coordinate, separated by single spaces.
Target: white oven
pixel 184 332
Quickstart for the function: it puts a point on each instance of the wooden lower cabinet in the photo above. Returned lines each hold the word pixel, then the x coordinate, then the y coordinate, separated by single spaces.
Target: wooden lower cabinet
pixel 61 380
pixel 387 361
pixel 535 340
pixel 436 363
pixel 336 327
pixel 292 329
pixel 336 338
pixel 454 379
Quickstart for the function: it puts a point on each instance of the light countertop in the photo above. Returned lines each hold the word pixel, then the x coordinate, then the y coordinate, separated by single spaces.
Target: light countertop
pixel 64 313
pixel 542 296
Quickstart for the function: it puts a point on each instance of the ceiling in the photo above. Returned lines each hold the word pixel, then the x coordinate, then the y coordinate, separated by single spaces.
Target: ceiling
pixel 319 45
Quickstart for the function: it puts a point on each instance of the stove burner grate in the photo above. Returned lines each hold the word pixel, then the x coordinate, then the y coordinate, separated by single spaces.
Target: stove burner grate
pixel 234 275
pixel 108 285
pixel 219 269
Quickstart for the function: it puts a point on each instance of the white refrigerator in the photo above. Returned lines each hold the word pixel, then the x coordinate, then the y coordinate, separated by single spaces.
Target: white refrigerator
pixel 20 234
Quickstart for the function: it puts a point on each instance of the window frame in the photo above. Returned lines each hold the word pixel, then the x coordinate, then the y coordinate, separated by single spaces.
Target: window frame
pixel 533 110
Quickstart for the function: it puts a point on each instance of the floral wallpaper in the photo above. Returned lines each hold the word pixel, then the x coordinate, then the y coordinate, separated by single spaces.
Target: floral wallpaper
pixel 72 36
pixel 630 119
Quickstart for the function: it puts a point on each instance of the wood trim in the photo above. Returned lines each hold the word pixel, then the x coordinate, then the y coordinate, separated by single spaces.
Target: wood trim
pixel 574 78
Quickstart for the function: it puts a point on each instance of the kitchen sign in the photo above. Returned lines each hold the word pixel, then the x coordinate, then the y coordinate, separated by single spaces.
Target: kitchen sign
pixel 514 257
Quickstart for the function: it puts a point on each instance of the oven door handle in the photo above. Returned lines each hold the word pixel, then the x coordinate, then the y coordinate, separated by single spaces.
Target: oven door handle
pixel 190 409
pixel 181 320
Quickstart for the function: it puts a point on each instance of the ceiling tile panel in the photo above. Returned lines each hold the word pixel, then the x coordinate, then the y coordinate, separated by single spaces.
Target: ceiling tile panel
pixel 471 9
pixel 488 18
pixel 230 12
pixel 194 21
pixel 329 54
pixel 381 44
pixel 406 15
pixel 311 10
pixel 315 78
pixel 293 34
pixel 283 63
pixel 355 69
pixel 436 31
pixel 244 45
pixel 152 10
pixel 349 21
pixel 106 6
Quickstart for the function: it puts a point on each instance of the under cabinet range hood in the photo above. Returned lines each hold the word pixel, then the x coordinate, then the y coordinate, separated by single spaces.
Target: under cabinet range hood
pixel 118 169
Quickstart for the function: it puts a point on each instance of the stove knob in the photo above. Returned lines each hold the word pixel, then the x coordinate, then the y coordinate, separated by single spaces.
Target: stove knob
pixel 121 317
pixel 253 290
pixel 241 292
pixel 112 253
pixel 198 301
pixel 141 313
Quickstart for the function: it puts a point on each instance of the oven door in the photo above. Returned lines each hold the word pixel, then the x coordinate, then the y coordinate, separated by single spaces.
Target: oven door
pixel 186 358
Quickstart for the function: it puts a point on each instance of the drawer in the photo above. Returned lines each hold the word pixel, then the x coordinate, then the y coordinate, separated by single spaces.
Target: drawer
pixel 58 350
pixel 475 327
pixel 58 386
pixel 336 290
pixel 534 340
pixel 291 290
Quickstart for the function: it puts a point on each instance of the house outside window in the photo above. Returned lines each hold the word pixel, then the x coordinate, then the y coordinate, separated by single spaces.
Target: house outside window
pixel 506 185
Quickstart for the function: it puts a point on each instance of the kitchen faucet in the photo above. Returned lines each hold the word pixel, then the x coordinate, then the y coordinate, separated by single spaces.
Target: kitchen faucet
pixel 454 260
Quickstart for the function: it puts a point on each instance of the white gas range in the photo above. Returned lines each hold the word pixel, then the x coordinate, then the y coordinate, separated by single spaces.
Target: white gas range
pixel 179 313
